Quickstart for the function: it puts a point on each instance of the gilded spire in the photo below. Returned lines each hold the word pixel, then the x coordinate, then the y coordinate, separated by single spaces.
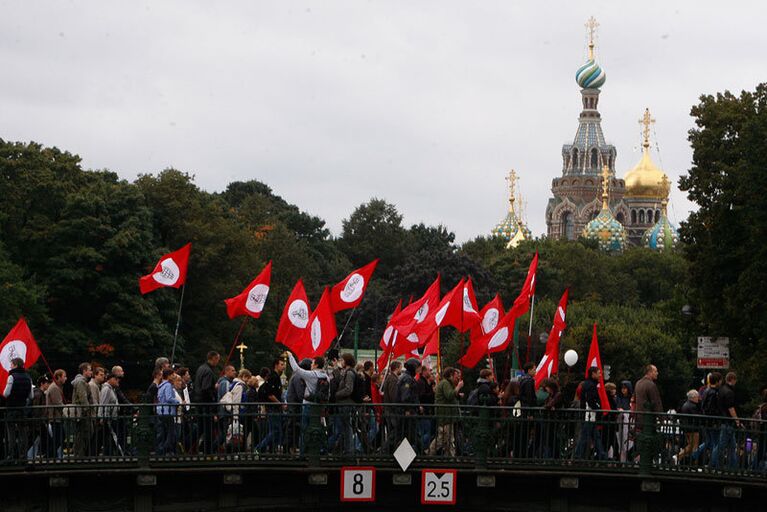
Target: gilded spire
pixel 646 121
pixel 665 185
pixel 605 187
pixel 591 26
pixel 512 180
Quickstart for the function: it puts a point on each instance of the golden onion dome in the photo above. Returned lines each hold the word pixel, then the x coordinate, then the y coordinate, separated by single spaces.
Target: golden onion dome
pixel 646 179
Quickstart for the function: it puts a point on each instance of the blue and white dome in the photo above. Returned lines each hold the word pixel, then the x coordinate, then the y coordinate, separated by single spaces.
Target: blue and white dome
pixel 607 231
pixel 662 236
pixel 590 75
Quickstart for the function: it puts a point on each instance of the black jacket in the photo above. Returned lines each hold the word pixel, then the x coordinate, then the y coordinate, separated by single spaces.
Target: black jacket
pixel 527 391
pixel 21 389
pixel 590 394
pixel 204 385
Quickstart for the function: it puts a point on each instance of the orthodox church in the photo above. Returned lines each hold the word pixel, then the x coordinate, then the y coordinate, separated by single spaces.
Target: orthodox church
pixel 589 199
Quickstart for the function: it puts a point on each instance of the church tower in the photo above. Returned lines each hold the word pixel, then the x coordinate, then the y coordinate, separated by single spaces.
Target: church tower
pixel 577 193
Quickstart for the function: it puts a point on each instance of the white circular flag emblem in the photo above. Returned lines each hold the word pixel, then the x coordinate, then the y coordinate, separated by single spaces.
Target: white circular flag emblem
pixel 169 274
pixel 12 350
pixel 412 337
pixel 316 333
pixel 298 313
pixel 353 289
pixel 422 312
pixel 499 338
pixel 467 302
pixel 441 313
pixel 490 321
pixel 387 335
pixel 257 298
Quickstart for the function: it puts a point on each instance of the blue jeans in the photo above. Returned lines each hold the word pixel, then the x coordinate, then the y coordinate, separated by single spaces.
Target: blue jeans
pixel 425 431
pixel 589 433
pixel 342 429
pixel 726 444
pixel 710 440
pixel 166 430
pixel 273 436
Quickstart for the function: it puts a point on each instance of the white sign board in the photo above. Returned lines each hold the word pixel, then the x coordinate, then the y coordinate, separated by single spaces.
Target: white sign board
pixel 438 486
pixel 713 352
pixel 358 484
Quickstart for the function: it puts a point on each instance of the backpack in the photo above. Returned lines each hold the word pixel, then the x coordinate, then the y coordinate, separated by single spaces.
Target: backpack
pixel 710 406
pixel 321 393
pixel 358 392
pixel 333 387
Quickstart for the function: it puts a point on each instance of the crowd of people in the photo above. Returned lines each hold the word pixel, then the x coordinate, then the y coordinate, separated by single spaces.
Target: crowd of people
pixel 360 410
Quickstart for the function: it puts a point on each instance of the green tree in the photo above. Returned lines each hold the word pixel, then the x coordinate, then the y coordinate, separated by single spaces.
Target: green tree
pixel 724 238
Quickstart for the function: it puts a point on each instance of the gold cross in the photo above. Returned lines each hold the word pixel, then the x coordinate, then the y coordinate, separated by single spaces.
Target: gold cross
pixel 646 121
pixel 591 26
pixel 512 179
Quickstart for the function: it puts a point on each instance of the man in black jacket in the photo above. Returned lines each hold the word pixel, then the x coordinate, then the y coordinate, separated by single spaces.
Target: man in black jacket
pixel 407 395
pixel 18 393
pixel 727 444
pixel 590 401
pixel 204 390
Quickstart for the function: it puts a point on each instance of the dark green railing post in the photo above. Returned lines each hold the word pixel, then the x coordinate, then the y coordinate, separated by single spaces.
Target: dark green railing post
pixel 646 440
pixel 313 437
pixel 483 436
pixel 144 434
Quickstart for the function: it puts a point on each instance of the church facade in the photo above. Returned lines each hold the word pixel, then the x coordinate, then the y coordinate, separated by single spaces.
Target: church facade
pixel 635 201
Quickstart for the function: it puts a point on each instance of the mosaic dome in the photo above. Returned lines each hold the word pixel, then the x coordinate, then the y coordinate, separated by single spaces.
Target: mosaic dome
pixel 606 230
pixel 662 236
pixel 512 230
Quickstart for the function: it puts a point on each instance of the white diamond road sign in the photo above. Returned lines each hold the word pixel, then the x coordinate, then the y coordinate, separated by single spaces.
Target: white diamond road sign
pixel 404 454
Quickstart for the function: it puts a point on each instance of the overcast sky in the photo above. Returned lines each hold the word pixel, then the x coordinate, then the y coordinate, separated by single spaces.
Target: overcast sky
pixel 425 104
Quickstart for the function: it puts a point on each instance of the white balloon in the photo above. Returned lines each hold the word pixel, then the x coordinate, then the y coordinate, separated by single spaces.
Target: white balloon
pixel 571 357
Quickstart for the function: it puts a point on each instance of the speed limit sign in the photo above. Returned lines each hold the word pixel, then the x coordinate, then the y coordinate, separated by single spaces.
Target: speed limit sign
pixel 358 483
pixel 438 486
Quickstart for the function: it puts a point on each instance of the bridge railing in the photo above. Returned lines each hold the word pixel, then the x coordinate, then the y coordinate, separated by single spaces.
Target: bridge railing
pixel 333 434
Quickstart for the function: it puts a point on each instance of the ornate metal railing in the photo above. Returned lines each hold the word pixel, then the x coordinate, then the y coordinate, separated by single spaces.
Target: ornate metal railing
pixel 484 438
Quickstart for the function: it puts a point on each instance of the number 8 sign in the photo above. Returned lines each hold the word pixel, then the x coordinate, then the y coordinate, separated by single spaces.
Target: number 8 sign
pixel 438 486
pixel 358 484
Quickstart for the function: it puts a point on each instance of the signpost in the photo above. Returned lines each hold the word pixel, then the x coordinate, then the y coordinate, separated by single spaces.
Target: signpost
pixel 438 486
pixel 713 353
pixel 358 484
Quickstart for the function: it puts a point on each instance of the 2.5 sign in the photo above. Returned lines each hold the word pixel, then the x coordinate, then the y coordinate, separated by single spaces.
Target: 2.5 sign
pixel 438 486
pixel 358 484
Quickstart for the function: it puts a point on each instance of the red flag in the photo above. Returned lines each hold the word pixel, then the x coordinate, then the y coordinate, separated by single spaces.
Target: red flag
pixel 495 340
pixel 595 360
pixel 488 318
pixel 414 323
pixel 431 347
pixel 450 310
pixel 253 298
pixel 18 343
pixel 470 316
pixel 321 330
pixel 169 271
pixel 390 334
pixel 294 319
pixel 549 364
pixel 522 302
pixel 348 293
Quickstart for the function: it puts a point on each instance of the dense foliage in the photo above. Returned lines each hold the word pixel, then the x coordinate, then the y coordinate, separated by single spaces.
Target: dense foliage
pixel 73 243
pixel 725 238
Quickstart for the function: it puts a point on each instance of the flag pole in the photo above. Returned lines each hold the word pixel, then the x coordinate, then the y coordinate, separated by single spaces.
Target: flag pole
pixel 388 362
pixel 439 356
pixel 338 340
pixel 46 363
pixel 178 323
pixel 530 331
pixel 236 339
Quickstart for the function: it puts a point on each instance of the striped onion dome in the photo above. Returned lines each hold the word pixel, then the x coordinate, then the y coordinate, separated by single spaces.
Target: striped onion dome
pixel 590 75
pixel 662 236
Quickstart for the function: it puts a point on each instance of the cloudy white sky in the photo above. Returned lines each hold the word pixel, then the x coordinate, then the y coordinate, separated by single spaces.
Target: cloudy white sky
pixel 425 104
